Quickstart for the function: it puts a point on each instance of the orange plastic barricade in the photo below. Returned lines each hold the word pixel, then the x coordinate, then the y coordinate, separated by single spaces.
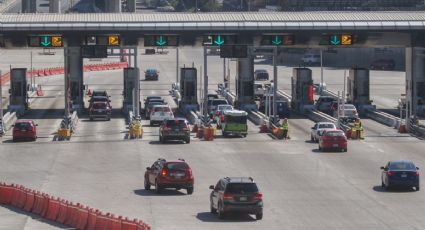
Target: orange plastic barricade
pixel 41 73
pixel 40 203
pixel 72 215
pixel 29 203
pixel 92 219
pixel 114 223
pixel 53 207
pixel 61 70
pixel 19 196
pixel 127 224
pixel 142 226
pixel 83 214
pixel 6 193
pixel 63 209
pixel 101 221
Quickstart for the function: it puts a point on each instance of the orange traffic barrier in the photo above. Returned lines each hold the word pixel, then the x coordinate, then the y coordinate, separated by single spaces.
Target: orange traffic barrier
pixel 53 207
pixel 101 221
pixel 40 204
pixel 6 193
pixel 92 219
pixel 348 134
pixel 41 73
pixel 127 224
pixel 114 223
pixel 19 197
pixel 72 215
pixel 200 133
pixel 402 128
pixel 40 92
pixel 209 133
pixel 62 214
pixel 142 226
pixel 83 215
pixel 29 203
pixel 195 128
pixel 264 128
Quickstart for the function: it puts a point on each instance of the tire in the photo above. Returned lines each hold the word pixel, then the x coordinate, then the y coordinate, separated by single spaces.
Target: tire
pixel 259 216
pixel 221 214
pixel 212 209
pixel 382 185
pixel 189 190
pixel 345 150
pixel 417 188
pixel 244 135
pixel 225 134
pixel 161 139
pixel 108 119
pixel 147 185
pixel 312 138
pixel 158 189
pixel 187 140
pixel 320 148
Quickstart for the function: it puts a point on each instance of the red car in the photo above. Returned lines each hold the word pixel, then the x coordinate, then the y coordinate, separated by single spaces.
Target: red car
pixel 169 174
pixel 333 139
pixel 24 129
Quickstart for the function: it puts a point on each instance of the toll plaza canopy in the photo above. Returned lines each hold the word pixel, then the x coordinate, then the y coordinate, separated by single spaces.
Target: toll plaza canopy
pixel 254 21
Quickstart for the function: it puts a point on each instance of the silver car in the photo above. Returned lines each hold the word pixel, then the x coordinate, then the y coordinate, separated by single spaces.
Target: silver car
pixel 349 112
pixel 318 129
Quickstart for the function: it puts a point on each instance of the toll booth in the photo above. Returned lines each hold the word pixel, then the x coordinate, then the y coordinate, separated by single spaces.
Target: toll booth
pixel 302 90
pixel 420 89
pixel 18 90
pixel 188 89
pixel 358 89
pixel 130 83
pixel 245 97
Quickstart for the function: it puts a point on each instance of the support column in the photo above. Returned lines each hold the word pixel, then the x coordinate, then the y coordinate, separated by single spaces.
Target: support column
pixel 54 6
pixel 245 81
pixel 415 80
pixel 29 6
pixel 113 6
pixel 131 6
pixel 76 83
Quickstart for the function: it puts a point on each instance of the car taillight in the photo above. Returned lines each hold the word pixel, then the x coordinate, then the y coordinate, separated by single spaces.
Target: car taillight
pixel 258 196
pixel 417 173
pixel 389 173
pixel 108 109
pixel 189 173
pixel 222 117
pixel 227 196
pixel 166 127
pixel 164 172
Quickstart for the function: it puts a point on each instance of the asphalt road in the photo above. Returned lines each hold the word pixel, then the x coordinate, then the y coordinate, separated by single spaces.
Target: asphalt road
pixel 303 188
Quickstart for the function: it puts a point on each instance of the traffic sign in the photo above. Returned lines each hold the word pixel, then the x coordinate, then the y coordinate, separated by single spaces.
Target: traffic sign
pixel 161 40
pixel 219 39
pixel 45 41
pixel 346 39
pixel 277 40
pixel 106 40
pixel 340 39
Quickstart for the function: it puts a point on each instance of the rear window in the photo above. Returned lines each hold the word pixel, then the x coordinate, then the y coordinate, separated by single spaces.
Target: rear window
pixel 99 105
pixel 326 99
pixel 241 188
pixel 326 126
pixel 262 75
pixel 177 166
pixel 350 107
pixel 334 134
pixel 162 109
pixel 219 102
pixel 225 107
pixel 176 123
pixel 23 125
pixel 402 166
pixel 236 119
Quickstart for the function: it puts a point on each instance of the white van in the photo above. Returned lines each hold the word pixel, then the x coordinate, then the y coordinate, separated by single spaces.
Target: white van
pixel 310 59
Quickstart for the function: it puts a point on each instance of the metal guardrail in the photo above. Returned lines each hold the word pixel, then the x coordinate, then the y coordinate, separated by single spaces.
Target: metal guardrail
pixel 415 128
pixel 383 118
pixel 317 116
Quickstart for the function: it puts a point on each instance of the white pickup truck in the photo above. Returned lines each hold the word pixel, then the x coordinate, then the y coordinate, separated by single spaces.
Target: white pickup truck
pixel 160 113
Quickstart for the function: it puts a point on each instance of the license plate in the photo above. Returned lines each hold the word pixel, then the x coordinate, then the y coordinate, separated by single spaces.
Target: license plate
pixel 176 130
pixel 335 145
pixel 403 175
pixel 244 198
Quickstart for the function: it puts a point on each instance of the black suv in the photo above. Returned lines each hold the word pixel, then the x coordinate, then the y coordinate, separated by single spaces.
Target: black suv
pixel 174 129
pixel 236 194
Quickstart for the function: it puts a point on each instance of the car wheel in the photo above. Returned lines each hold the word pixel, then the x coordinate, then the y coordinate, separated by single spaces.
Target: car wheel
pixel 189 190
pixel 312 138
pixel 161 139
pixel 212 209
pixel 225 134
pixel 187 140
pixel 382 185
pixel 244 135
pixel 157 188
pixel 147 185
pixel 108 119
pixel 259 216
pixel 220 212
pixel 320 148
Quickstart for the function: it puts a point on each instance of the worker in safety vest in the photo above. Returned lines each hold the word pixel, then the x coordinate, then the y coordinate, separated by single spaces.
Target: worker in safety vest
pixel 358 127
pixel 285 127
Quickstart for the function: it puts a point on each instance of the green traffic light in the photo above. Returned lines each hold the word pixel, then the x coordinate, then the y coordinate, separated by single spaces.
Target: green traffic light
pixel 218 40
pixel 161 41
pixel 45 41
pixel 335 40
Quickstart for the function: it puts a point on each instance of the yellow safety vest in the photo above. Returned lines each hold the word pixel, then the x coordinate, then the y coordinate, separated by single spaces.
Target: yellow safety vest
pixel 285 126
pixel 357 126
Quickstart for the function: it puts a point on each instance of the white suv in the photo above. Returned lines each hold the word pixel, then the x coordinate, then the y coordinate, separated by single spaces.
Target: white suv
pixel 160 113
pixel 310 59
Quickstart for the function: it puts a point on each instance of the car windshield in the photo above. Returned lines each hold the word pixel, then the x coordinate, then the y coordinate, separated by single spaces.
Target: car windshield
pixel 219 102
pixel 241 188
pixel 177 166
pixel 23 125
pixel 176 123
pixel 236 119
pixel 99 93
pixel 99 98
pixel 402 166
pixel 152 98
pixel 326 126
pixel 151 71
pixel 334 134
pixel 262 75
pixel 326 99
pixel 349 107
pixel 154 103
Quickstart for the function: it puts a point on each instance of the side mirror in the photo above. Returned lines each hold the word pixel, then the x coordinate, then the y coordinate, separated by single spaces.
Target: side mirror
pixel 312 128
pixel 36 124
pixel 382 167
pixel 13 125
pixel 148 168
pixel 417 168
pixel 211 186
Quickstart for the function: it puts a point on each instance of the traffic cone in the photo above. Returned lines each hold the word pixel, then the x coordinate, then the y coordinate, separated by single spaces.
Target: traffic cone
pixel 264 128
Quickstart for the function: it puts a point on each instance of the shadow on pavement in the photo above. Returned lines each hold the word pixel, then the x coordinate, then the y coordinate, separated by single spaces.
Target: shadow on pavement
pixel 379 188
pixel 35 217
pixel 164 192
pixel 230 218
pixel 170 142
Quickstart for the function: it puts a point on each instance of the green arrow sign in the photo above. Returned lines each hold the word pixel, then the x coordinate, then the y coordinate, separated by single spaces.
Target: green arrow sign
pixel 218 40
pixel 277 41
pixel 45 41
pixel 161 41
pixel 335 40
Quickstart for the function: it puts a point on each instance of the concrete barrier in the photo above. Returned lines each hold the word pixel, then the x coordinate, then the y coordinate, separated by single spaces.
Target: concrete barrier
pixel 74 121
pixel 384 118
pixel 192 117
pixel 257 118
pixel 9 120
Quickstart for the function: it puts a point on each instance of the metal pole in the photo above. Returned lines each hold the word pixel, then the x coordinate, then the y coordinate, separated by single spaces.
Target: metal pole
pixel 343 94
pixel 274 83
pixel 321 72
pixel 337 122
pixel 224 71
pixel 1 101
pixel 200 89
pixel 227 84
pixel 177 65
pixel 205 82
pixel 66 83
pixel 32 75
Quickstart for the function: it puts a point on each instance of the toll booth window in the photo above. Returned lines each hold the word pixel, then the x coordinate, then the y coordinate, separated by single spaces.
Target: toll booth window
pixel 236 119
pixel 17 89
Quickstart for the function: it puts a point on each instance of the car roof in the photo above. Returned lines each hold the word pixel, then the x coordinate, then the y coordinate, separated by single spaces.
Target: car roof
pixel 23 121
pixel 401 161
pixel 165 106
pixel 238 179
pixel 325 123
pixel 261 71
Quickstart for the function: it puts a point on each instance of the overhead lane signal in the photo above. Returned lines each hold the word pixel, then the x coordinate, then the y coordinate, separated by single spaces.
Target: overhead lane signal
pixel 340 39
pixel 219 39
pixel 45 41
pixel 161 40
pixel 277 40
